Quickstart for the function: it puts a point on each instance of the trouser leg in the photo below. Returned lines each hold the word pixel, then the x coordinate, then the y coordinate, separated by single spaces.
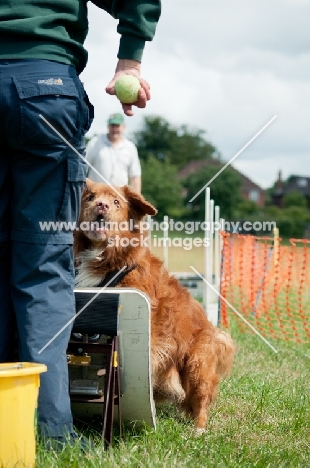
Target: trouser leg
pixel 6 308
pixel 47 180
pixel 44 302
pixel 7 319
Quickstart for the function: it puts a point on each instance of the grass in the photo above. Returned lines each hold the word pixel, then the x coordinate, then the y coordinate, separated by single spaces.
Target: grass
pixel 179 259
pixel 272 317
pixel 260 419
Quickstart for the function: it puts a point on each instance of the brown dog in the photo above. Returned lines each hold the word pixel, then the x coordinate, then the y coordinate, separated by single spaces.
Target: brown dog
pixel 189 354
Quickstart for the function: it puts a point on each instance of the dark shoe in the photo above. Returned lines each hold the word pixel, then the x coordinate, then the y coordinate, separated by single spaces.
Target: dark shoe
pixel 58 444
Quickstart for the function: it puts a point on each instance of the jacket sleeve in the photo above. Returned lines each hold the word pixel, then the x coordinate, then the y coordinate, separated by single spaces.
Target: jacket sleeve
pixel 137 23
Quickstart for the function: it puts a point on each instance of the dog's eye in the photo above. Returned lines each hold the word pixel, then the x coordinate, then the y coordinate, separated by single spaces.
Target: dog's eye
pixel 90 198
pixel 116 202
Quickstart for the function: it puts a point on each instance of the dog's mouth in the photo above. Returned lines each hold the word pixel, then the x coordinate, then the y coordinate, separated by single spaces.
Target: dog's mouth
pixel 100 220
pixel 98 228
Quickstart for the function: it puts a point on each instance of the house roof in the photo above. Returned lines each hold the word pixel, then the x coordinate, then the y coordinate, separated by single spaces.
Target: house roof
pixel 299 184
pixel 197 165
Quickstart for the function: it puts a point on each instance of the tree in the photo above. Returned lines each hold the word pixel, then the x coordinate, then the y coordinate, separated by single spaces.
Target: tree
pixel 292 221
pixel 161 187
pixel 248 208
pixel 225 191
pixel 178 145
pixel 294 199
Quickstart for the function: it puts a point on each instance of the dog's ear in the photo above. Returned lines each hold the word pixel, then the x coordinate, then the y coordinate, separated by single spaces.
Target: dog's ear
pixel 138 204
pixel 87 187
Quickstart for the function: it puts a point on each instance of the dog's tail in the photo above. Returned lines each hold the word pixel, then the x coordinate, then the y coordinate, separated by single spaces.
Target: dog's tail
pixel 225 352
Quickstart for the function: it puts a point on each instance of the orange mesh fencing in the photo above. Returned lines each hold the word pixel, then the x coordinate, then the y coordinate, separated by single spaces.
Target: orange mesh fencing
pixel 268 283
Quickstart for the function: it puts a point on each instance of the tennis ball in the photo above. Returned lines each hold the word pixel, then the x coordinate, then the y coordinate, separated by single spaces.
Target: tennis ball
pixel 127 89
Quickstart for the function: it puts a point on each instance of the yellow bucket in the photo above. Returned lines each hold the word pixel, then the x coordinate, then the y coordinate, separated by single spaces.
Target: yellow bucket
pixel 19 387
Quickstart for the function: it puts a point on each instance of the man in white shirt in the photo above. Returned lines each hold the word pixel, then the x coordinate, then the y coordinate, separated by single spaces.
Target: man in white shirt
pixel 114 156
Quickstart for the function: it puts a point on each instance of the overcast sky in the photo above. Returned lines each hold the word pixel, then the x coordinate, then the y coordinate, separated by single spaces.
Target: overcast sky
pixel 227 67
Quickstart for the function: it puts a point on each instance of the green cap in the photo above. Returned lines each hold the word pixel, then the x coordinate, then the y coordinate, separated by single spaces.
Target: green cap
pixel 116 119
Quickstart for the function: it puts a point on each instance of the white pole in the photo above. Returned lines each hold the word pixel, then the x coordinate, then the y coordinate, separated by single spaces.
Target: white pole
pixel 207 248
pixel 166 241
pixel 222 223
pixel 222 229
pixel 211 301
pixel 217 251
pixel 211 256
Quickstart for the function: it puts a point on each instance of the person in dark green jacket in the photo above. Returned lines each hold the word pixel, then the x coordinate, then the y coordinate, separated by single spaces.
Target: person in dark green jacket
pixel 56 30
pixel 41 176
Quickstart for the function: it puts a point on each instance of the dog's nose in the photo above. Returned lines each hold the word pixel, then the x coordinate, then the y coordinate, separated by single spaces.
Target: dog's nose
pixel 102 206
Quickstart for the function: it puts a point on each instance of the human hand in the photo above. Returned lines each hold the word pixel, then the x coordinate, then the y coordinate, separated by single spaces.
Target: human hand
pixel 130 67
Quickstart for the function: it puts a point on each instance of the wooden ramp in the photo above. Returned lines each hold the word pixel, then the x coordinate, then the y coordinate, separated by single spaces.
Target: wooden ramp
pixel 132 321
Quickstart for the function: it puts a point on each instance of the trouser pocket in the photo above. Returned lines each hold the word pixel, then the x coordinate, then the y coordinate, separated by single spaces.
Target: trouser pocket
pixel 76 175
pixel 57 99
pixel 47 171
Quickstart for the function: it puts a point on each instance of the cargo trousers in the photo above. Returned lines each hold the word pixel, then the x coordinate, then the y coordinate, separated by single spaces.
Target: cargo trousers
pixel 41 180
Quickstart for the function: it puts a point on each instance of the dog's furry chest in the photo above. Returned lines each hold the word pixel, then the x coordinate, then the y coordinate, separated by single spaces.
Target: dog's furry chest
pixel 85 276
